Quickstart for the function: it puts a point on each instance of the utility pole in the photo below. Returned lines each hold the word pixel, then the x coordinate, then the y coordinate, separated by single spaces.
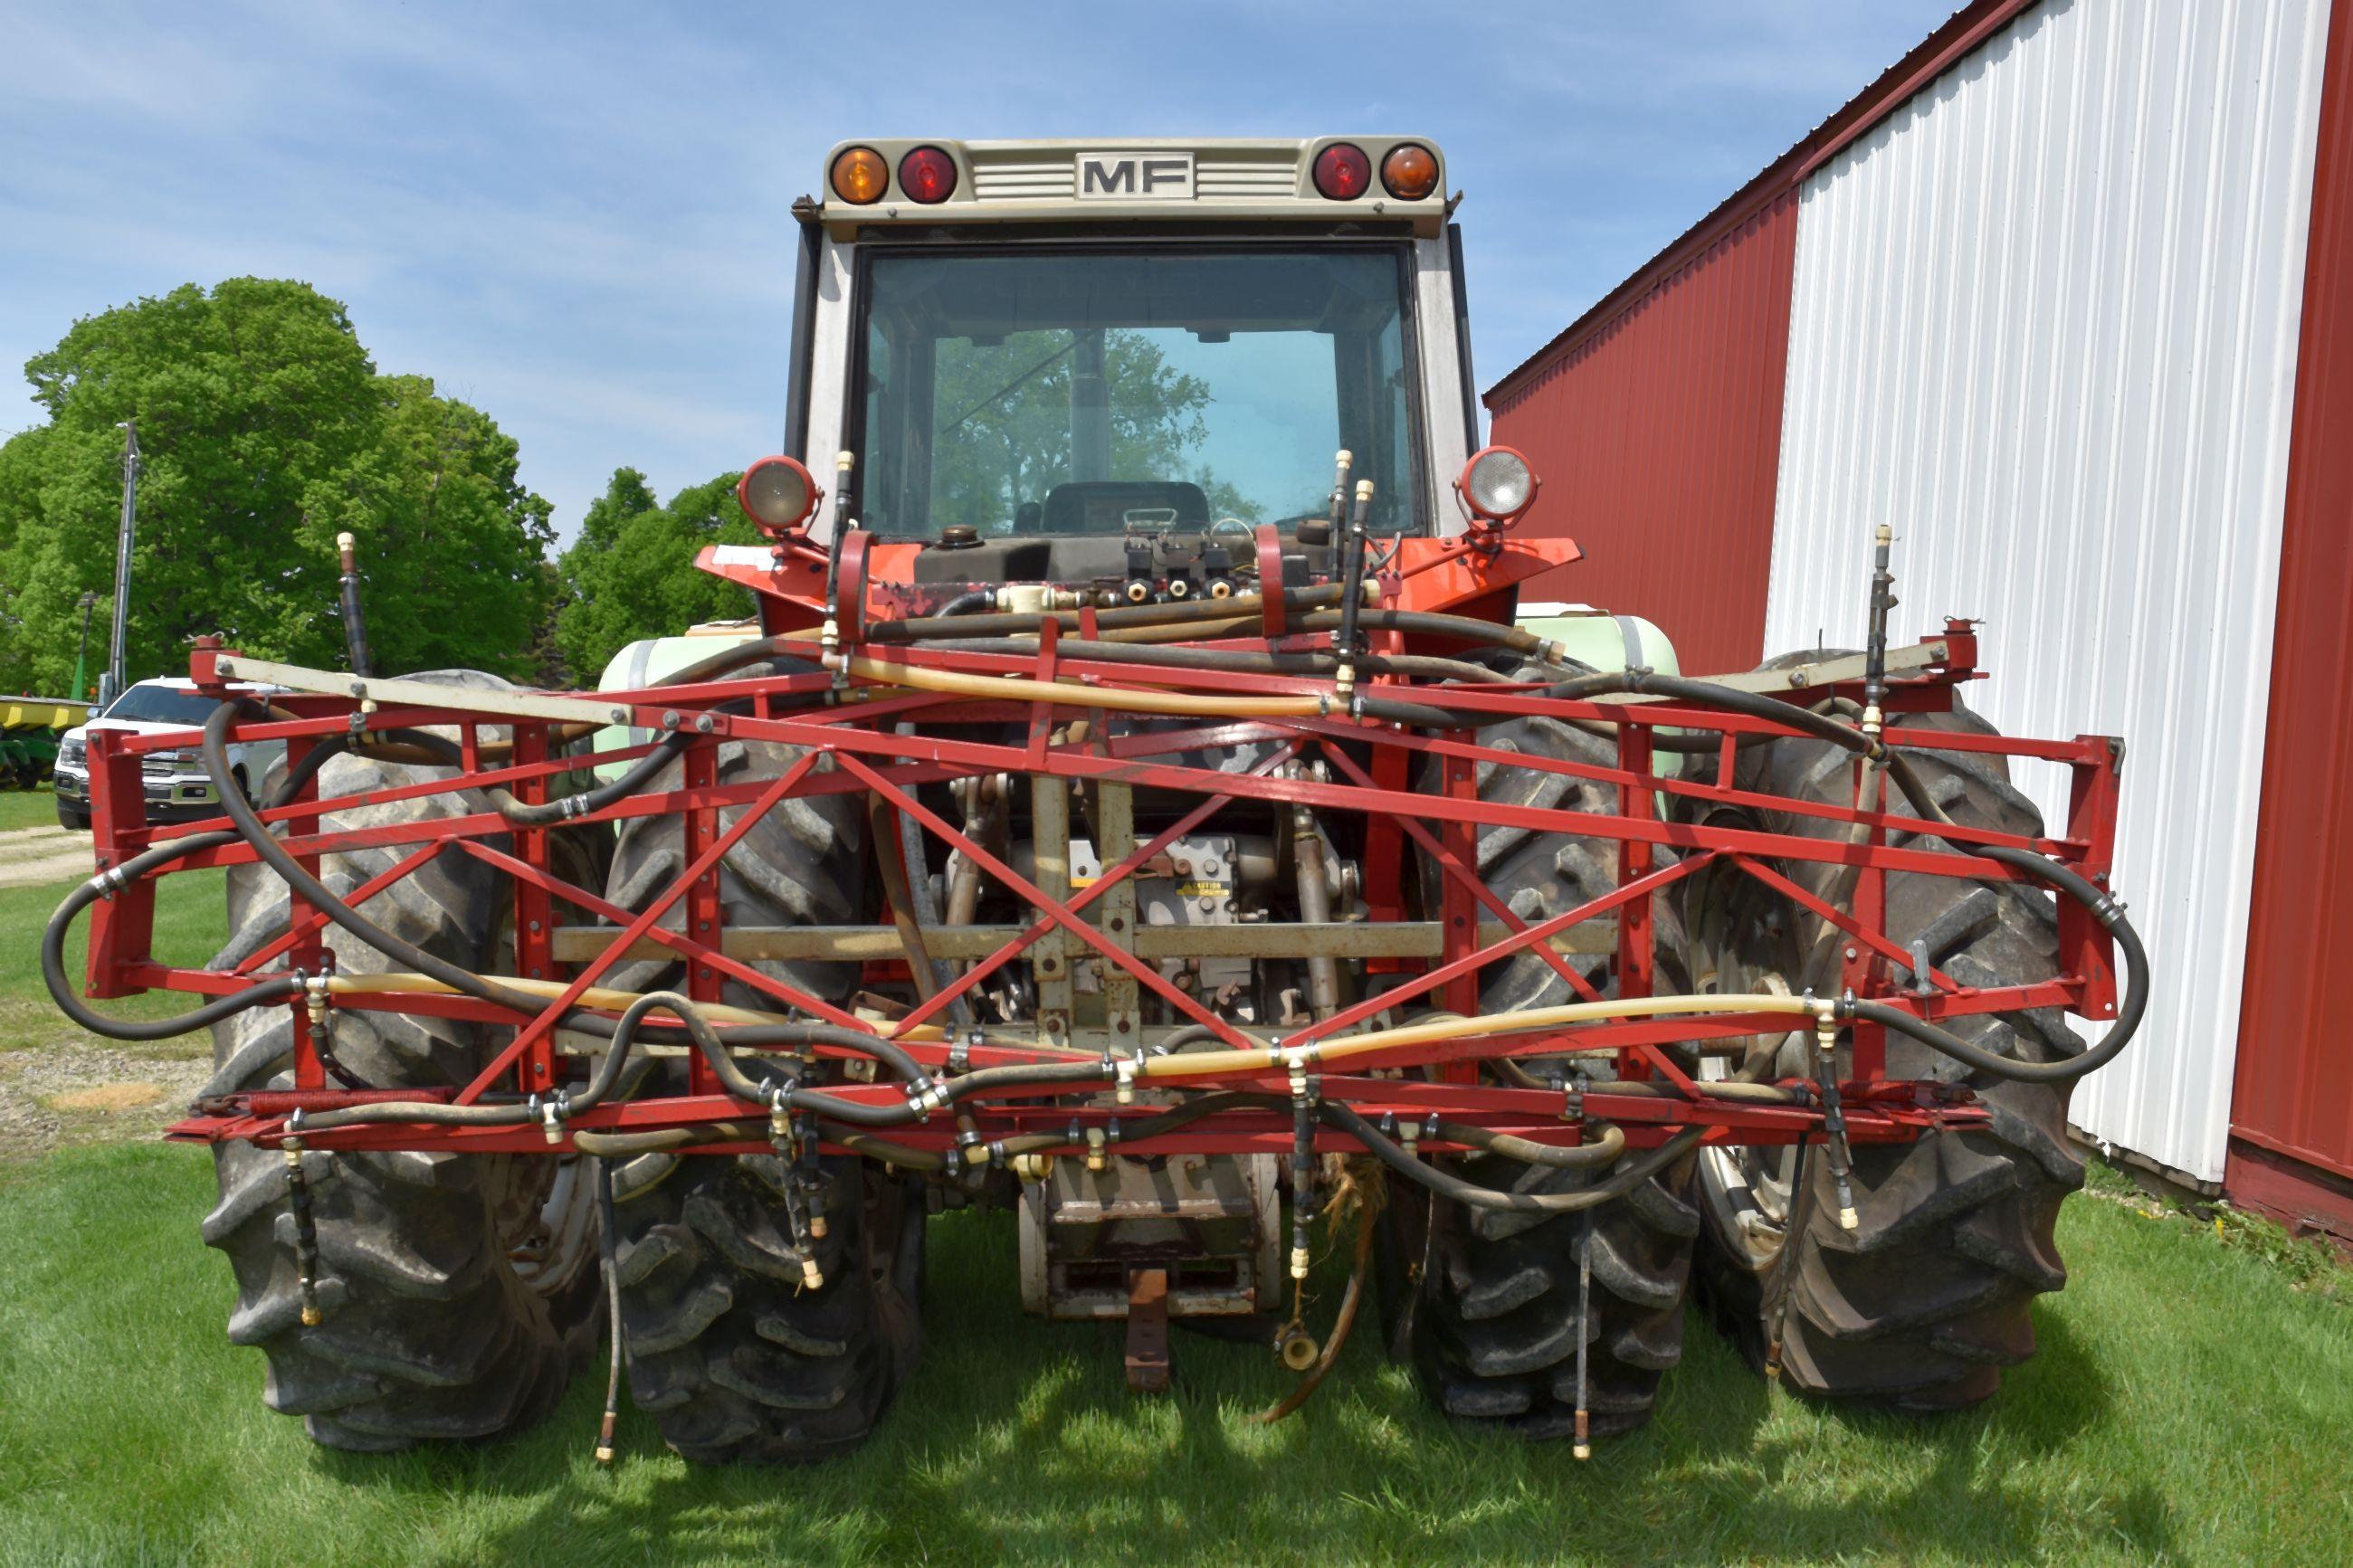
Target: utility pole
pixel 112 683
pixel 80 692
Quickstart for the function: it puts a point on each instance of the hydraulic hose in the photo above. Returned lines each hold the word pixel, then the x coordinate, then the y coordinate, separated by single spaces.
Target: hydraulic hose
pixel 1070 694
pixel 1277 1058
pixel 1337 1340
pixel 434 750
pixel 619 1146
pixel 439 1114
pixel 1174 612
pixel 1446 1185
pixel 608 1239
pixel 256 833
pixel 1603 1151
pixel 2039 867
pixel 2067 882
pixel 625 1031
pixel 106 883
pixel 1179 655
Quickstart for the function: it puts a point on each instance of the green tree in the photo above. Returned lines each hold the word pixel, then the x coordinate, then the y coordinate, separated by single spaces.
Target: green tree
pixel 265 431
pixel 631 573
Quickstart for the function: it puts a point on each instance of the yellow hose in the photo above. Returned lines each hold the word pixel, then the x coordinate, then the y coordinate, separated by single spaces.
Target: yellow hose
pixel 1071 694
pixel 598 996
pixel 1188 1064
pixel 1275 1059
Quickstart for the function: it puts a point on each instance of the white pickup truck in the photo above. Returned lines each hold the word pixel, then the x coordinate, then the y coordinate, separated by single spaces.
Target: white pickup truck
pixel 177 787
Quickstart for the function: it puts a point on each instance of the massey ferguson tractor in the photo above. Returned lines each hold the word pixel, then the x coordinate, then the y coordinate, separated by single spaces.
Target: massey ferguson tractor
pixel 1121 810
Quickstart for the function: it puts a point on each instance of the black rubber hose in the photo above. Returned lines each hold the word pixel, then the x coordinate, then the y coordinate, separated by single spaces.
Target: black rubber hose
pixel 550 814
pixel 439 1114
pixel 619 1145
pixel 988 1080
pixel 731 658
pixel 1616 1184
pixel 555 813
pixel 607 1245
pixel 1348 639
pixel 2072 884
pixel 971 604
pixel 772 1036
pixel 1183 656
pixel 1428 622
pixel 273 854
pixel 1422 715
pixel 53 937
pixel 1603 1151
pixel 2040 868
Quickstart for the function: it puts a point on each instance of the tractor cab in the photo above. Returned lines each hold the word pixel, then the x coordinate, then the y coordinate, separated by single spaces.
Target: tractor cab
pixel 1109 346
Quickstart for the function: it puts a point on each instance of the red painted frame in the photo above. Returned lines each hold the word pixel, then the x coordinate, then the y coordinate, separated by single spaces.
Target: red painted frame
pixel 1371 770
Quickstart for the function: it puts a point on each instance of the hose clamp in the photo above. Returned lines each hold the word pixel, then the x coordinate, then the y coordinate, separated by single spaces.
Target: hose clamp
pixel 107 882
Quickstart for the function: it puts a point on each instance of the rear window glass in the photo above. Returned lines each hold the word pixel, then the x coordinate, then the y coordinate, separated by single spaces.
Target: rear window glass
pixel 162 705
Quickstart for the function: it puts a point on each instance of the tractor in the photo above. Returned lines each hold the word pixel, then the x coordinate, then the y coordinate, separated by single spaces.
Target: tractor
pixel 1136 802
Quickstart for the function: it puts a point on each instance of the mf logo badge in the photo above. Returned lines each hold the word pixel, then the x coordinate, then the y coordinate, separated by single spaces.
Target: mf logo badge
pixel 1136 176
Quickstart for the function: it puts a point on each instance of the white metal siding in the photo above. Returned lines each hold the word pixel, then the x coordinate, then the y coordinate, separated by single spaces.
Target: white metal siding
pixel 2045 324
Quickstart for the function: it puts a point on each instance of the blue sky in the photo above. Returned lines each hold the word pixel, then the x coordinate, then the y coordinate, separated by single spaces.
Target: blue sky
pixel 575 217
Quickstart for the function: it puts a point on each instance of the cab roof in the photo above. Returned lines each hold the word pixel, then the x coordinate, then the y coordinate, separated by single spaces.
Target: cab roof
pixel 1133 180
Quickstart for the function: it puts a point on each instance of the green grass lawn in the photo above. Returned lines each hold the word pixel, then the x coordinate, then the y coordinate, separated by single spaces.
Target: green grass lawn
pixel 28 808
pixel 2191 1403
pixel 190 920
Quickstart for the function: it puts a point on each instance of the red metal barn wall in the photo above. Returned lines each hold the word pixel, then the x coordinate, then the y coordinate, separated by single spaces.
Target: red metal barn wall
pixel 1667 459
pixel 1656 429
pixel 1655 418
pixel 2291 1148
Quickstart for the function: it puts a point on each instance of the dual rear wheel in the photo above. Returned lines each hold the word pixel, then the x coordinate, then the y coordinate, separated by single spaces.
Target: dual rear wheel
pixel 1920 1306
pixel 462 1292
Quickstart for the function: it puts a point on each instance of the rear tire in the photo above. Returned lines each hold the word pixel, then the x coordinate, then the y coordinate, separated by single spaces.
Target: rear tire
pixel 458 1293
pixel 736 1363
pixel 1922 1305
pixel 1485 1303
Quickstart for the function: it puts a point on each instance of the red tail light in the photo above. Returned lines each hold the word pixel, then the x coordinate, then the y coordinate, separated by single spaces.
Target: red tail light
pixel 1342 172
pixel 927 176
